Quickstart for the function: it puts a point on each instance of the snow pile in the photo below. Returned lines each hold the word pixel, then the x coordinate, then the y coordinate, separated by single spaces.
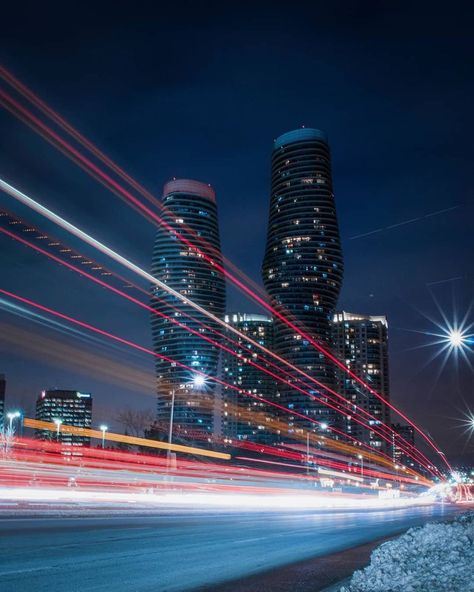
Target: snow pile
pixel 432 558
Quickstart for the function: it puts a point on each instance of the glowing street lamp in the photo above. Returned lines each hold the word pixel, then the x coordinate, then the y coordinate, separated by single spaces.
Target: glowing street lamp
pixel 396 469
pixel 323 426
pixel 58 423
pixel 361 458
pixel 456 338
pixel 103 429
pixel 199 381
pixel 12 415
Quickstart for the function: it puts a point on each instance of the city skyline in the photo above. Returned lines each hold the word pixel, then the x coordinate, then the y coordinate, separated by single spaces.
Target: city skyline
pixel 386 141
pixel 236 296
pixel 106 414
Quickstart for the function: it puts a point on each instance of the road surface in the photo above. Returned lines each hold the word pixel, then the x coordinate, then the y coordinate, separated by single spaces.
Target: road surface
pixel 179 551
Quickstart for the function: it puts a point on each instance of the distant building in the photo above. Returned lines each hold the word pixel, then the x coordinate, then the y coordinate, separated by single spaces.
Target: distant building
pixel 3 384
pixel 72 408
pixel 190 210
pixel 398 455
pixel 361 342
pixel 302 269
pixel 244 417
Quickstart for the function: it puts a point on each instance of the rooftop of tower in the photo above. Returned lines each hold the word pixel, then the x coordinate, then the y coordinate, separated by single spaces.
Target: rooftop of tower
pixel 189 186
pixel 242 317
pixel 340 317
pixel 303 133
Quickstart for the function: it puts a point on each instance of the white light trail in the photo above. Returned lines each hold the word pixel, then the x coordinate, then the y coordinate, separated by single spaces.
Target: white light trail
pixel 231 501
pixel 77 232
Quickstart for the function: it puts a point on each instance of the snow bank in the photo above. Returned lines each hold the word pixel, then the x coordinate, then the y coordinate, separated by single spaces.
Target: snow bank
pixel 431 558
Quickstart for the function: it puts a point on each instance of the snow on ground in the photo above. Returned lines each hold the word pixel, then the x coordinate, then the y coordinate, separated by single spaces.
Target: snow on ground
pixel 431 558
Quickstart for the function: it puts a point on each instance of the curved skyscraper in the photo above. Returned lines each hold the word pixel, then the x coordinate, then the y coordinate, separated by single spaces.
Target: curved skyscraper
pixel 191 211
pixel 303 265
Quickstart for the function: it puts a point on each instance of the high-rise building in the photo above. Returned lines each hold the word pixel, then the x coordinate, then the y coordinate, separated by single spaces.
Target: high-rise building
pixel 244 417
pixel 3 384
pixel 303 265
pixel 361 342
pixel 191 211
pixel 399 455
pixel 72 408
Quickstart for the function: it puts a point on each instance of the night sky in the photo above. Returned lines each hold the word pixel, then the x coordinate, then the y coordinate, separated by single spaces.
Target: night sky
pixel 200 91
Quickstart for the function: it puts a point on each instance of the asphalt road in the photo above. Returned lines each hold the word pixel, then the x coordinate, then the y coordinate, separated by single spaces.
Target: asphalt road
pixel 179 551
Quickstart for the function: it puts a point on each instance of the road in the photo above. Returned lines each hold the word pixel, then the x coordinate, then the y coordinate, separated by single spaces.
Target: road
pixel 179 551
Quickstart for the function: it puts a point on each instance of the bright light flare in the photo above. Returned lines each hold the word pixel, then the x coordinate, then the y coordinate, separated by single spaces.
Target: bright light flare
pixel 199 381
pixel 467 424
pixel 456 338
pixel 453 340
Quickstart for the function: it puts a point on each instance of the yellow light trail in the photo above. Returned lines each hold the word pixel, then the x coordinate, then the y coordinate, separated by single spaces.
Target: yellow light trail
pixel 112 437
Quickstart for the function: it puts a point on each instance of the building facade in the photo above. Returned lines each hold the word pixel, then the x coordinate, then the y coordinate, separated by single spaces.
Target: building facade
pixel 303 265
pixel 245 417
pixel 361 342
pixel 399 455
pixel 190 212
pixel 72 408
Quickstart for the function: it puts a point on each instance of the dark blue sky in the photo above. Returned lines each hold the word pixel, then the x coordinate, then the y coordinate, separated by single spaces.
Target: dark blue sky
pixel 201 91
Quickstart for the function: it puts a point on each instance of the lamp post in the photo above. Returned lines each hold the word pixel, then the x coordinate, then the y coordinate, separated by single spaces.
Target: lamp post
pixel 58 423
pixel 199 381
pixel 170 432
pixel 307 453
pixel 361 458
pixel 103 429
pixel 12 415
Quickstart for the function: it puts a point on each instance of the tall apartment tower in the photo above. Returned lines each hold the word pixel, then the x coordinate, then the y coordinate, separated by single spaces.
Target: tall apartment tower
pixel 303 264
pixel 190 212
pixel 361 342
pixel 3 385
pixel 72 408
pixel 245 417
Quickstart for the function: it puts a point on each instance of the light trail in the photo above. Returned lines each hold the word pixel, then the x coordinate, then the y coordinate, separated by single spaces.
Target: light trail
pixel 97 366
pixel 68 128
pixel 85 163
pixel 348 410
pixel 145 350
pixel 112 437
pixel 287 502
pixel 150 309
pixel 39 465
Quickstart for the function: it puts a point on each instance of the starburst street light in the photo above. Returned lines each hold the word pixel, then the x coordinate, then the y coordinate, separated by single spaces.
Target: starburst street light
pixel 468 423
pixel 199 381
pixel 453 340
pixel 457 338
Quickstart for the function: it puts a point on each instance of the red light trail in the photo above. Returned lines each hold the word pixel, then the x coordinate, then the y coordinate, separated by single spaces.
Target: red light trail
pixel 97 173
pixel 411 453
pixel 93 242
pixel 150 352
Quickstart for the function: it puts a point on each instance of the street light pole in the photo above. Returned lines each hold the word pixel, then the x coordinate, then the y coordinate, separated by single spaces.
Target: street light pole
pixel 361 458
pixel 170 433
pixel 11 416
pixel 307 453
pixel 58 423
pixel 103 429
